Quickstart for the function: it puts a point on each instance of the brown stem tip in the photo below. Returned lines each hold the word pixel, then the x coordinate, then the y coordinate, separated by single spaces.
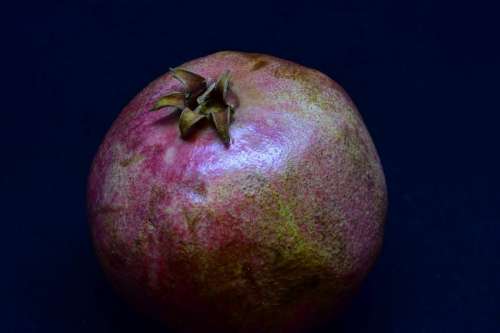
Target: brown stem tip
pixel 200 100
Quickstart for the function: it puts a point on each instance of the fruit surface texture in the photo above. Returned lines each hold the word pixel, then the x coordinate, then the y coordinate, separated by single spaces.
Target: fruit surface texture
pixel 272 232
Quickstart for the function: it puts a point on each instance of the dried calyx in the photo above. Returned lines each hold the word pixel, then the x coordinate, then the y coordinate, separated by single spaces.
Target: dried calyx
pixel 200 100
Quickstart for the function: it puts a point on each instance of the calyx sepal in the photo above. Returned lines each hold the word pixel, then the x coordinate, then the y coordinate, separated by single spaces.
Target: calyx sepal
pixel 199 101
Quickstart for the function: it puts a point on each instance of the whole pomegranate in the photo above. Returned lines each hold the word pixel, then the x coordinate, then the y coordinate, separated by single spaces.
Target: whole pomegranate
pixel 238 193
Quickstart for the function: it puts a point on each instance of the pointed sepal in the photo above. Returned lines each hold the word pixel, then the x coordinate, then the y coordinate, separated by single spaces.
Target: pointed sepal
pixel 188 119
pixel 175 99
pixel 221 118
pixel 192 82
pixel 217 91
pixel 222 86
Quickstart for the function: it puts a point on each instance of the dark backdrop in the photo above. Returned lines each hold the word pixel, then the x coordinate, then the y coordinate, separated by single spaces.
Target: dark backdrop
pixel 424 75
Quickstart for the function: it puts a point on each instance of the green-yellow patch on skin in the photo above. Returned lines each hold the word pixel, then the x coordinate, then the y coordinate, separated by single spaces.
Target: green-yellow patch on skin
pixel 308 82
pixel 140 243
pixel 259 64
pixel 109 224
pixel 317 97
pixel 350 117
pixel 131 160
pixel 250 56
pixel 278 264
pixel 354 151
pixel 294 247
pixel 286 225
pixel 289 71
pixel 262 279
pixel 294 243
pixel 192 218
pixel 109 217
pixel 323 228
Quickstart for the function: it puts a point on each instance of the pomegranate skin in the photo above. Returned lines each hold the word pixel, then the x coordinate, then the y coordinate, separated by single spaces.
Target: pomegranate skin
pixel 271 234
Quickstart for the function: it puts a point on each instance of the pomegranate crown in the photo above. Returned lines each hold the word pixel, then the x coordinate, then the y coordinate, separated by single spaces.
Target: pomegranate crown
pixel 200 101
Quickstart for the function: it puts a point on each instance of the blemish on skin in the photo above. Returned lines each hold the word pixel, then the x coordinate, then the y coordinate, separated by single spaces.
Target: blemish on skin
pixel 289 72
pixel 259 64
pixel 169 156
pixel 108 209
pixel 131 160
pixel 201 188
pixel 251 56
pixel 192 220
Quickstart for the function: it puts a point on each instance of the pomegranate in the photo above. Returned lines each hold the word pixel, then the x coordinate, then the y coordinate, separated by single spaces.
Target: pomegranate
pixel 238 193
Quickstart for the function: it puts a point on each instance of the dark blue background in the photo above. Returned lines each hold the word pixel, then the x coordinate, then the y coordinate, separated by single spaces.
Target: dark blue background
pixel 424 74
